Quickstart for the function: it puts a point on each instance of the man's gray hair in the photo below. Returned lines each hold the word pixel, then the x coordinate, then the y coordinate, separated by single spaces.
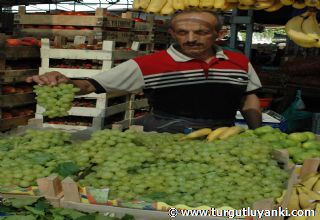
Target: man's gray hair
pixel 219 22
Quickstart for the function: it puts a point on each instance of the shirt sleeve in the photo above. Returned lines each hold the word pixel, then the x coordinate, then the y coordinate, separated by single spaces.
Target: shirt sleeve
pixel 254 81
pixel 126 77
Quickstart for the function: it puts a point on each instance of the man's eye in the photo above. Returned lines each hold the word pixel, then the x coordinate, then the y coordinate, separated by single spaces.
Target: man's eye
pixel 182 32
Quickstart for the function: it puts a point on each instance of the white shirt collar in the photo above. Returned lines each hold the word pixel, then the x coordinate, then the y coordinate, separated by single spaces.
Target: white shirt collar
pixel 180 57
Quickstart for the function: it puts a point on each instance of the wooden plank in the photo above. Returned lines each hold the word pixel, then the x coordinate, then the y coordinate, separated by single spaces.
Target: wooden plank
pixel 71 73
pixel 45 19
pixel 143 26
pixel 112 110
pixel 22 52
pixel 16 99
pixel 6 124
pixel 309 166
pixel 138 104
pixel 11 76
pixel 70 189
pixel 79 111
pixel 76 54
pixel 117 22
pixel 137 213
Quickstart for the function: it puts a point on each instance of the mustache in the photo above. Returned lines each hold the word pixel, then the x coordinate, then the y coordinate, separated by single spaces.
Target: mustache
pixel 192 44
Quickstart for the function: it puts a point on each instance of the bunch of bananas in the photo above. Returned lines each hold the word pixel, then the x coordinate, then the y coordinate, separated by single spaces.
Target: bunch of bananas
pixel 167 7
pixel 306 196
pixel 219 133
pixel 304 30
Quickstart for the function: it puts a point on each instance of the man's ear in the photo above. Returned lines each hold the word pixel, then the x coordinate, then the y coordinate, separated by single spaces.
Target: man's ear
pixel 171 32
pixel 222 33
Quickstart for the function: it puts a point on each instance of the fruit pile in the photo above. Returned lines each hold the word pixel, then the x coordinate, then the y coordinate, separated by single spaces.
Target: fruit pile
pixel 301 145
pixel 167 7
pixel 165 168
pixel 304 29
pixel 31 156
pixel 57 100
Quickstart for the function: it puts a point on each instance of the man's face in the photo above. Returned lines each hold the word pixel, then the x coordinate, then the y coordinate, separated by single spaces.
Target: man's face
pixel 195 33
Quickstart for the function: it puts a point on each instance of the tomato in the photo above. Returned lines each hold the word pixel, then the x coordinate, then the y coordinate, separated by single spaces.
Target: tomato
pixel 13 42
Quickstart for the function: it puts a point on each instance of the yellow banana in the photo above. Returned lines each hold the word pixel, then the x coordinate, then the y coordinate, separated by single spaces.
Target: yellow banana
pixel 229 6
pixel 206 4
pixel 307 198
pixel 216 133
pixel 219 4
pixel 260 5
pixel 316 186
pixel 232 1
pixel 234 130
pixel 144 4
pixel 298 4
pixel 310 180
pixel 245 7
pixel 155 6
pixel 311 3
pixel 294 31
pixel 318 5
pixel 168 8
pixel 287 2
pixel 293 203
pixel 317 217
pixel 178 4
pixel 197 134
pixel 311 27
pixel 275 7
pixel 136 4
pixel 193 3
pixel 247 2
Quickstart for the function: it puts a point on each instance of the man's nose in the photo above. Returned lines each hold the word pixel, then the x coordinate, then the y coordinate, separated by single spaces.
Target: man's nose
pixel 192 37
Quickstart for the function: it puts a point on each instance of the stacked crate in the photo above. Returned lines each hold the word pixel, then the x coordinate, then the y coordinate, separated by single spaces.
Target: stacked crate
pixel 16 99
pixel 103 109
pixel 95 27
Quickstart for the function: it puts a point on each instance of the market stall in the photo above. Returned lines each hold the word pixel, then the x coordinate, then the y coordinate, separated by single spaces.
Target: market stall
pixel 81 156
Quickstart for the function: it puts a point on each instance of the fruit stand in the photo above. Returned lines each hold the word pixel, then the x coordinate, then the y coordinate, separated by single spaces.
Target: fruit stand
pixel 81 158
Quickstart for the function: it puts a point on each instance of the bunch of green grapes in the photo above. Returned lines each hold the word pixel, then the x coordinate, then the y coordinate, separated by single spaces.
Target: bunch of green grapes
pixel 57 100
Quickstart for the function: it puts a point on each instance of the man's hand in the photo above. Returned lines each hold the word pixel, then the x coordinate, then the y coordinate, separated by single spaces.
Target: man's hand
pixel 251 111
pixel 50 79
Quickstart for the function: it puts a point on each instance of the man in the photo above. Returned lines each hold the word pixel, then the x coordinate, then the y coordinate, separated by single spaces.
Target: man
pixel 193 84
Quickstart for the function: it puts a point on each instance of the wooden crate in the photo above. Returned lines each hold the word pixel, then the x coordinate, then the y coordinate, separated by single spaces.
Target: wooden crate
pixel 6 124
pixel 107 56
pixel 99 19
pixel 13 100
pixel 50 188
pixel 97 24
pixel 13 76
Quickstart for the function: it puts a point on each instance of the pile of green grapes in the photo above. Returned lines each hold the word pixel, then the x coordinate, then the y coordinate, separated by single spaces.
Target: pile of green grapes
pixel 150 166
pixel 24 159
pixel 235 172
pixel 57 100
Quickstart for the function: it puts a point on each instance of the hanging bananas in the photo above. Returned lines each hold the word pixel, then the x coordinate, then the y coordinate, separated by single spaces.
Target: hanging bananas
pixel 304 30
pixel 168 7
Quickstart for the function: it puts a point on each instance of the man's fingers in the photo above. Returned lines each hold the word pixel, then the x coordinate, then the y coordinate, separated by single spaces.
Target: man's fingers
pixel 29 79
pixel 37 80
pixel 52 80
pixel 45 79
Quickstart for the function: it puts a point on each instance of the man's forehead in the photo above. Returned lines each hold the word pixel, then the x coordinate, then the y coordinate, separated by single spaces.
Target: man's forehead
pixel 201 18
pixel 187 21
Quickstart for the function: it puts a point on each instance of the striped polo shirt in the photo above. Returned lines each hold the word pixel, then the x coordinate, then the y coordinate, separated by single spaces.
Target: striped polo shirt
pixel 180 85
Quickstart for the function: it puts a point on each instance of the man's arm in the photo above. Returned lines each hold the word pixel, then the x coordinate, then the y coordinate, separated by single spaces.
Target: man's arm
pixel 251 111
